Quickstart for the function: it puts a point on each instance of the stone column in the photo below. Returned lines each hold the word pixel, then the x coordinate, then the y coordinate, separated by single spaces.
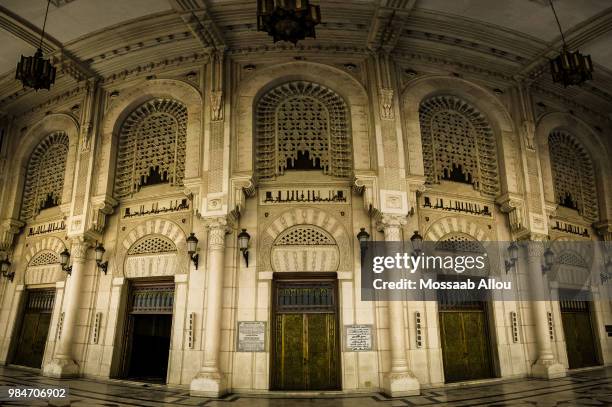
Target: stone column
pixel 400 381
pixel 64 362
pixel 209 382
pixel 546 366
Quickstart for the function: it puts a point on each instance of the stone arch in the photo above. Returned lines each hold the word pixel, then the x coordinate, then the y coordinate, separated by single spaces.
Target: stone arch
pixel 456 225
pixel 45 272
pixel 152 263
pixel 596 150
pixel 305 217
pixel 425 87
pixel 53 123
pixel 464 243
pixel 305 248
pixel 262 80
pixel 126 102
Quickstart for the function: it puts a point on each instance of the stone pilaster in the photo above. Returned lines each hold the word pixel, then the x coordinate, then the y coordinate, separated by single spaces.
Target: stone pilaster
pixel 399 381
pixel 64 361
pixel 209 382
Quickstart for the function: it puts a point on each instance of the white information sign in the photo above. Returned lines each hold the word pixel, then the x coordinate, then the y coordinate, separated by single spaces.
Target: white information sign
pixel 358 338
pixel 251 336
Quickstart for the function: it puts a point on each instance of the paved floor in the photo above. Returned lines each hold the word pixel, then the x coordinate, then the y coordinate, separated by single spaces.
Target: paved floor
pixel 586 388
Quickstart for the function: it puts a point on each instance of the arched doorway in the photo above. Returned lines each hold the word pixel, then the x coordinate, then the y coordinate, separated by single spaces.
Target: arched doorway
pixel 39 299
pixel 464 326
pixel 305 351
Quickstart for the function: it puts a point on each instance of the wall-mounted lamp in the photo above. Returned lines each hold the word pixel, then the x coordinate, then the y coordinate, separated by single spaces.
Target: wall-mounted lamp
pixel 243 244
pixel 192 245
pixel 99 254
pixel 363 237
pixel 64 260
pixel 416 240
pixel 549 260
pixel 513 250
pixel 5 264
pixel 607 273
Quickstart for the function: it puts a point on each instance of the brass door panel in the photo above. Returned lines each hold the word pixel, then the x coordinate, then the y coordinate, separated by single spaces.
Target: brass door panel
pixel 34 329
pixel 465 345
pixel 306 352
pixel 305 343
pixel 579 339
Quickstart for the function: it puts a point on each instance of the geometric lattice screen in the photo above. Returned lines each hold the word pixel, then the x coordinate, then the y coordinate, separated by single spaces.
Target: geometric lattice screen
pixel 152 146
pixel 304 235
pixel 45 175
pixel 152 245
pixel 573 174
pixel 458 144
pixel 44 258
pixel 302 125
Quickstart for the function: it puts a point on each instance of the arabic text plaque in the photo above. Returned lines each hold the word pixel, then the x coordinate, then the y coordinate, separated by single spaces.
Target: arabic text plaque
pixel 251 336
pixel 358 338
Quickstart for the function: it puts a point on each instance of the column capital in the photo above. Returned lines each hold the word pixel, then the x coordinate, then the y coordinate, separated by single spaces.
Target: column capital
pixel 78 247
pixel 391 226
pixel 217 227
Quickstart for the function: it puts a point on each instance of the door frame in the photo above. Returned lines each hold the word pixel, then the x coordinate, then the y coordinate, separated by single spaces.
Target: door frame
pixel 592 316
pixel 125 343
pixel 18 326
pixel 303 277
pixel 486 311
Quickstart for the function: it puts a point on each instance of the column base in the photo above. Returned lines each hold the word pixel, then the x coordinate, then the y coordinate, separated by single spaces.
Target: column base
pixel 207 384
pixel 548 369
pixel 61 368
pixel 401 385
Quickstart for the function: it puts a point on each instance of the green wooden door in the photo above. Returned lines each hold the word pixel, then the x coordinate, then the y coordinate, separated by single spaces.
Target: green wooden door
pixel 34 328
pixel 578 332
pixel 465 345
pixel 305 354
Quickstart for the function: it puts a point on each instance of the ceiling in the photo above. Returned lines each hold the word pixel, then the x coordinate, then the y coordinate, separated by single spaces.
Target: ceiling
pixel 511 37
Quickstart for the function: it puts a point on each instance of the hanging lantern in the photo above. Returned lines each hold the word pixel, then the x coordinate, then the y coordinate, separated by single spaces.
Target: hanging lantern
pixel 570 68
pixel 35 71
pixel 288 20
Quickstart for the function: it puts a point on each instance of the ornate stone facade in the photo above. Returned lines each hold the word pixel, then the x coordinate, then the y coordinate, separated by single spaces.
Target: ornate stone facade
pixel 302 147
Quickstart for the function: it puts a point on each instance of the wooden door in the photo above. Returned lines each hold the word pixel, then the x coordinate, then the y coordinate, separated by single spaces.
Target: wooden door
pixel 146 344
pixel 305 355
pixel 578 331
pixel 34 328
pixel 465 345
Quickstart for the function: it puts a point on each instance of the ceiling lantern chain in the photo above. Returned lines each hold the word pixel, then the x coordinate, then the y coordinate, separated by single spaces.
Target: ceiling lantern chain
pixel 35 71
pixel 570 68
pixel 288 20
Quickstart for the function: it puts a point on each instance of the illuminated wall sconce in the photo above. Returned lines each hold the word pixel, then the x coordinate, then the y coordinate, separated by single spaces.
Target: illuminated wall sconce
pixel 192 245
pixel 417 243
pixel 65 260
pixel 5 264
pixel 549 260
pixel 99 254
pixel 243 244
pixel 513 250
pixel 363 237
